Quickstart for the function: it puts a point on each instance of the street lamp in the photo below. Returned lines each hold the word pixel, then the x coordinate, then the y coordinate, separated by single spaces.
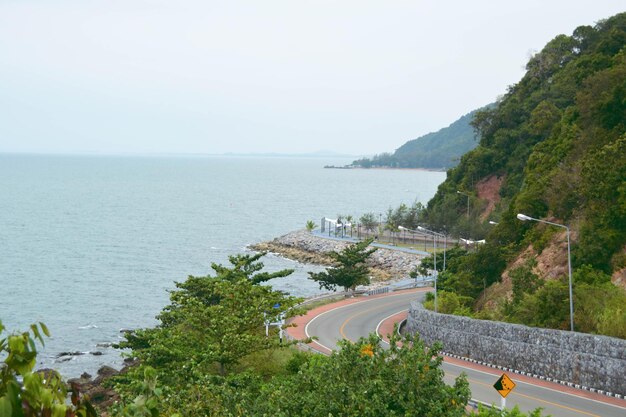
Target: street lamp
pixel 524 218
pixel 406 229
pixel 445 242
pixel 468 198
pixel 435 235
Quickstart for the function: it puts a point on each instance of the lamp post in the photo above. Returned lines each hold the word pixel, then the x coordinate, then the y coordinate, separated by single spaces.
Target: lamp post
pixel 435 235
pixel 445 242
pixel 524 218
pixel 468 198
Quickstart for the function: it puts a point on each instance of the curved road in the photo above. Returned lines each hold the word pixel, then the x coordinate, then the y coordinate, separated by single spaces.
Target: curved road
pixel 359 317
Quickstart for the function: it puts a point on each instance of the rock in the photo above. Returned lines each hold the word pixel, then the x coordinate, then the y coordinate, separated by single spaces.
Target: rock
pixel 96 353
pixel 69 354
pixel 102 397
pixel 106 372
pixel 84 379
pixel 306 247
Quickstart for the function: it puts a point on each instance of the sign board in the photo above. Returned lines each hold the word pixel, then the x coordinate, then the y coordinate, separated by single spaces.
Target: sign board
pixel 504 385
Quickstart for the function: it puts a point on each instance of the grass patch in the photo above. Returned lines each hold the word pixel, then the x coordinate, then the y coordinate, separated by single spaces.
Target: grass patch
pixel 268 363
pixel 322 302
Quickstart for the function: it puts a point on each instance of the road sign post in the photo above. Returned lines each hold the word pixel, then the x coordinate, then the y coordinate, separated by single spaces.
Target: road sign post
pixel 504 385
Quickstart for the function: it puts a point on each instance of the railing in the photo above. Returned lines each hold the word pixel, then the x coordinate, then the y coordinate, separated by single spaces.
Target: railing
pixel 475 403
pixel 380 290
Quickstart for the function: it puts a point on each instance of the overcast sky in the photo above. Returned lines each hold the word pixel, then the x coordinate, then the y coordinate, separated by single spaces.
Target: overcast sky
pixel 201 76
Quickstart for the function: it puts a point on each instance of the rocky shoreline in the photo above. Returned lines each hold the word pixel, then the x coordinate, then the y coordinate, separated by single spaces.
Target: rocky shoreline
pixel 302 246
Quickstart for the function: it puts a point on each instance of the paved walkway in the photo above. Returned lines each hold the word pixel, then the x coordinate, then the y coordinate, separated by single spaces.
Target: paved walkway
pixel 375 244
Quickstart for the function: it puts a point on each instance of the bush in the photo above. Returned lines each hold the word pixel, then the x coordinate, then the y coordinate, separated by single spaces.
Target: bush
pixel 450 303
pixel 24 392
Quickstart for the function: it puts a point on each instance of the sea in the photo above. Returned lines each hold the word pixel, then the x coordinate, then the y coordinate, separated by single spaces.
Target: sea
pixel 90 245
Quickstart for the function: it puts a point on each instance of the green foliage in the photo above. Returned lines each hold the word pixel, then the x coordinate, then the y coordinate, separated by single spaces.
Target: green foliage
pixel 547 307
pixel 524 280
pixel 451 303
pixel 612 320
pixel 147 402
pixel 369 222
pixel 310 225
pixel 557 138
pixel 547 135
pixel 599 306
pixel 212 323
pixel 361 378
pixel 469 275
pixel 27 393
pixel 246 267
pixel 350 270
pixel 604 190
pixel 585 274
pixel 404 216
pixel 437 150
pixel 452 256
pixel 364 379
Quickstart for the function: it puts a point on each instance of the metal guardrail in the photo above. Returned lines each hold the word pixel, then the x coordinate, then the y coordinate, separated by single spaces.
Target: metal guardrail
pixel 475 403
pixel 380 290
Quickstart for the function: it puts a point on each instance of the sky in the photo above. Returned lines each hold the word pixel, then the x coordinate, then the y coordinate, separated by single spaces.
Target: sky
pixel 202 76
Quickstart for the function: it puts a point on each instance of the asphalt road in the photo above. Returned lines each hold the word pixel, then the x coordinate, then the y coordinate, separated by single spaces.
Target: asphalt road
pixel 360 319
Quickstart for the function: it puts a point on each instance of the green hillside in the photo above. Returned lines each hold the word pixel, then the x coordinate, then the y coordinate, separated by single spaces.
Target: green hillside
pixel 436 150
pixel 554 148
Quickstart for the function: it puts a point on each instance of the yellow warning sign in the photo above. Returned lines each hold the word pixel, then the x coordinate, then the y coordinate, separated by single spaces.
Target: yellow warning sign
pixel 504 385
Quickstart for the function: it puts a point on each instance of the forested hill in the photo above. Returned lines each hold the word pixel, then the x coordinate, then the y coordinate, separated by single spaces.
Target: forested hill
pixel 436 150
pixel 554 148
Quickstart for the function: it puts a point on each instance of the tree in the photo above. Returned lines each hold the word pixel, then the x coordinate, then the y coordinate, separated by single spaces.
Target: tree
pixel 351 269
pixel 310 225
pixel 365 379
pixel 245 267
pixel 368 220
pixel 213 321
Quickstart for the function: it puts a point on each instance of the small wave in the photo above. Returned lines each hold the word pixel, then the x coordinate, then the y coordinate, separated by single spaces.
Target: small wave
pixel 89 326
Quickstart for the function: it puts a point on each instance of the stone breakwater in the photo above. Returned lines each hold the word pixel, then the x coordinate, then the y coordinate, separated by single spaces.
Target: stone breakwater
pixel 584 359
pixel 305 247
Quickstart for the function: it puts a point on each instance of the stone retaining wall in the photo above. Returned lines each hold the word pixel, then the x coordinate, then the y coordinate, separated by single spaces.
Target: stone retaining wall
pixel 398 264
pixel 588 360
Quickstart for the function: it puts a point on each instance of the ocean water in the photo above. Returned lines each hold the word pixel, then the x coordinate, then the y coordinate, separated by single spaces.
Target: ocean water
pixel 90 245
